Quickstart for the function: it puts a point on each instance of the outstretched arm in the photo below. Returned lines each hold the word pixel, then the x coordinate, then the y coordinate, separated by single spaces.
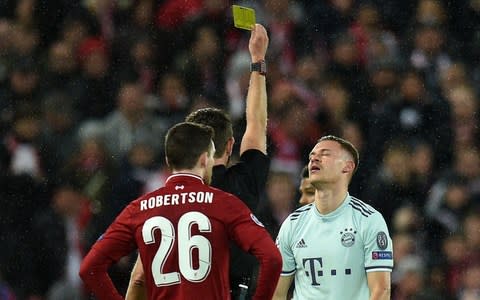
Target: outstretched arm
pixel 255 136
pixel 136 286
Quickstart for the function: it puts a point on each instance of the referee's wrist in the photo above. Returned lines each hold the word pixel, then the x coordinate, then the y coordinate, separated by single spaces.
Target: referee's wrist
pixel 259 66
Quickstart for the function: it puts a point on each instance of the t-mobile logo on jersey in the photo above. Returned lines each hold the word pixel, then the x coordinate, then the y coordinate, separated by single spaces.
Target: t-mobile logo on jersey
pixel 313 269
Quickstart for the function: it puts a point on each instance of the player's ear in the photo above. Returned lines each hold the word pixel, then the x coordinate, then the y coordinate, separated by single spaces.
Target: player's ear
pixel 203 159
pixel 349 167
pixel 230 143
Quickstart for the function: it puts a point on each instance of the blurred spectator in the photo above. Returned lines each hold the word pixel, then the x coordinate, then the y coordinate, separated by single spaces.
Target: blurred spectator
pixel 131 122
pixel 92 170
pixel 470 289
pixel 25 41
pixel 352 131
pixel 453 76
pixel 141 59
pixel 412 235
pixel 202 66
pixel 423 163
pixel 466 168
pixel 409 281
pixel 173 14
pixel 21 89
pixel 171 101
pixel 327 19
pixel 139 173
pixel 138 21
pixel 336 106
pixel 20 197
pixel 393 185
pixel 403 246
pixel 289 137
pixel 61 70
pixel 429 54
pixel 76 28
pixel 58 245
pixel 373 42
pixel 23 142
pixel 236 84
pixel 383 78
pixel 471 228
pixel 58 139
pixel 306 189
pixel 96 89
pixel 454 206
pixel 280 202
pixel 344 66
pixel 465 119
pixel 308 77
pixel 414 114
pixel 288 41
pixel 5 51
pixel 455 257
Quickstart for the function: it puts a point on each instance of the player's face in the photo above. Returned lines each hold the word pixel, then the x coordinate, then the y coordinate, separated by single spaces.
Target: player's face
pixel 208 173
pixel 327 162
pixel 307 192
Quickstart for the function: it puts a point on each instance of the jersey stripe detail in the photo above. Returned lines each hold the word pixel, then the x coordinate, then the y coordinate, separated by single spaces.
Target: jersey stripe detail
pixel 363 211
pixel 287 273
pixel 299 211
pixel 362 204
pixel 386 268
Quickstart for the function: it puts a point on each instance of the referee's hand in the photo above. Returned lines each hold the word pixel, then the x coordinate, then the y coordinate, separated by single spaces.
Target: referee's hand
pixel 258 43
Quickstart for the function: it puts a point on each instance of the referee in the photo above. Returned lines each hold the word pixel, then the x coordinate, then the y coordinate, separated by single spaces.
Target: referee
pixel 245 179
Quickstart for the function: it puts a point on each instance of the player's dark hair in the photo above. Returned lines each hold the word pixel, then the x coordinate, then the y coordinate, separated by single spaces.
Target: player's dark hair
pixel 305 172
pixel 219 121
pixel 346 145
pixel 185 142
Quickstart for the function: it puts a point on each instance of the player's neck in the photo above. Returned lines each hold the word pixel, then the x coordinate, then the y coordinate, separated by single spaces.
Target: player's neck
pixel 221 161
pixel 328 199
pixel 195 171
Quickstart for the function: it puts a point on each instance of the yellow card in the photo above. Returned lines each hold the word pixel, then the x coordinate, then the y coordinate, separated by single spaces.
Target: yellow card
pixel 243 17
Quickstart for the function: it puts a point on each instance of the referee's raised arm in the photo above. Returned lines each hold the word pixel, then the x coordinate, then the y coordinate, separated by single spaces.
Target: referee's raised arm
pixel 255 136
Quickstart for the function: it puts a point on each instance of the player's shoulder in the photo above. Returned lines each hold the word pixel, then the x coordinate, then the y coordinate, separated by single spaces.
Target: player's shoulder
pixel 300 212
pixel 225 197
pixel 252 159
pixel 362 209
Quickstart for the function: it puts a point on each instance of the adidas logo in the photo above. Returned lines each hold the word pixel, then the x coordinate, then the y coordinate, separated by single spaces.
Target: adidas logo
pixel 301 244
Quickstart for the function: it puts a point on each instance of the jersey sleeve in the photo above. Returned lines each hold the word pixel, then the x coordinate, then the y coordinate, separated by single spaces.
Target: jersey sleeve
pixel 378 245
pixel 117 242
pixel 284 245
pixel 257 166
pixel 251 236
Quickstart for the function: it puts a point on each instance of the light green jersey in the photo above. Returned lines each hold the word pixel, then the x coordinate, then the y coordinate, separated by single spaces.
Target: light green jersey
pixel 331 254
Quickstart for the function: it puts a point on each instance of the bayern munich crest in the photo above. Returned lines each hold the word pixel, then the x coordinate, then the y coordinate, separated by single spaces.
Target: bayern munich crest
pixel 348 237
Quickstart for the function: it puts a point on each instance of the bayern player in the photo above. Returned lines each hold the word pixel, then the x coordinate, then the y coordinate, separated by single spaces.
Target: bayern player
pixel 337 247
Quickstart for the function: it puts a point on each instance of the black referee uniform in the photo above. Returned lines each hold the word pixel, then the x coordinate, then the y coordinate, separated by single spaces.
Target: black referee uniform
pixel 246 179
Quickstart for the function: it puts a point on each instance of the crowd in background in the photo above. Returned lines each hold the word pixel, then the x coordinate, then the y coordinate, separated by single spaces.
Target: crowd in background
pixel 89 88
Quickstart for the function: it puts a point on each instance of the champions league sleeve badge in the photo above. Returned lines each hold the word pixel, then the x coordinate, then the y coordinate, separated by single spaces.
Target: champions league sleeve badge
pixel 382 240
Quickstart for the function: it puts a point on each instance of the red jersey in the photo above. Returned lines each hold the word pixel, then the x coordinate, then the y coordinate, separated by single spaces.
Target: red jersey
pixel 182 232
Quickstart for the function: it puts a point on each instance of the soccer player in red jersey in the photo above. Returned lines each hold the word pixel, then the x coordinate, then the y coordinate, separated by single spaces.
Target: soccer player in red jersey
pixel 182 231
